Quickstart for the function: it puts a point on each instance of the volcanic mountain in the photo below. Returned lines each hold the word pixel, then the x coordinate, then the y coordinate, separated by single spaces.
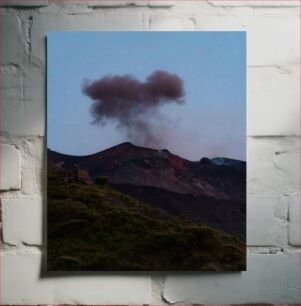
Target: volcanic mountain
pixel 210 191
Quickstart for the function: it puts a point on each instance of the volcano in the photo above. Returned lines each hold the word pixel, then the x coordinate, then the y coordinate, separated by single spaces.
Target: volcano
pixel 209 191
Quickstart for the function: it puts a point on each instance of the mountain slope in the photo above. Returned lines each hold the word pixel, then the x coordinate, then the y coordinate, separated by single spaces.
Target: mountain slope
pixel 210 191
pixel 91 226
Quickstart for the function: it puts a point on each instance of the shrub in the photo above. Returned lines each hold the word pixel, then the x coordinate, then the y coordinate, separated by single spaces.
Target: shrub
pixel 67 262
pixel 231 253
pixel 72 226
pixel 102 180
pixel 102 261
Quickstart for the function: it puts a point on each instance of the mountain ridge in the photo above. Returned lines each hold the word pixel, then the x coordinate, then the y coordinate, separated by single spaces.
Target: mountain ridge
pixel 212 191
pixel 217 160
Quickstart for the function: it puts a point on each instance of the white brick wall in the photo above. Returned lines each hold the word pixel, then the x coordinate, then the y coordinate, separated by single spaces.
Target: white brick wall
pixel 24 284
pixel 294 220
pixel 170 23
pixel 22 3
pixel 12 44
pixel 274 88
pixel 44 23
pixel 10 168
pixel 270 279
pixel 23 221
pixel 273 96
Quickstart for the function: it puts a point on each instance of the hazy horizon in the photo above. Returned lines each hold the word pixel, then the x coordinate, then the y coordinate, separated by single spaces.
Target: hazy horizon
pixel 83 155
pixel 210 123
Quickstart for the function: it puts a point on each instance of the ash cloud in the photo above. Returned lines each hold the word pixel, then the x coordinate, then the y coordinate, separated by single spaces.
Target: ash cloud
pixel 135 105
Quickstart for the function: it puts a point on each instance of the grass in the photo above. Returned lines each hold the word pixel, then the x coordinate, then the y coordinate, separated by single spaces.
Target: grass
pixel 92 226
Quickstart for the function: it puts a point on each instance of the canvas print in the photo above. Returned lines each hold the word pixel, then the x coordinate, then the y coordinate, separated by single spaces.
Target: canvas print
pixel 146 158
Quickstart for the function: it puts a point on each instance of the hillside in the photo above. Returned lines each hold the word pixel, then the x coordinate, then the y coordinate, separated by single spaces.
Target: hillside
pixel 92 226
pixel 212 192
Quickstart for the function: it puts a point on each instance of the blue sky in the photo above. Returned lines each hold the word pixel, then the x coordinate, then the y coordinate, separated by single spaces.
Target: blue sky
pixel 211 122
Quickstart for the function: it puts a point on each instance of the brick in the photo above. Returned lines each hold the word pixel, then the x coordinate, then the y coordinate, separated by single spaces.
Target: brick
pixel 33 154
pixel 11 84
pixel 23 107
pixel 21 280
pixel 125 3
pixel 22 283
pixel 294 221
pixel 157 288
pixel 268 279
pixel 287 158
pixel 24 3
pixel 121 22
pixel 13 46
pixel 34 100
pixel 273 88
pixel 273 165
pixel 268 34
pixel 44 23
pixel 170 23
pixel 261 223
pixel 250 3
pixel 116 3
pixel 22 221
pixel 110 3
pixel 141 3
pixel 10 167
pixel 161 3
pixel 132 289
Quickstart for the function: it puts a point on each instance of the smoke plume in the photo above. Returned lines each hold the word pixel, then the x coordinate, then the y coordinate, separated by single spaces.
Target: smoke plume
pixel 135 105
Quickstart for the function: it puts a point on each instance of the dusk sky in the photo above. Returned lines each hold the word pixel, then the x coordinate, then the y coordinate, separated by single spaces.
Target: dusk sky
pixel 212 65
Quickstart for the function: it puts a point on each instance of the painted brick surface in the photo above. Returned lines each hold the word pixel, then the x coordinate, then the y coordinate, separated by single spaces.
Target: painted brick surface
pixel 22 221
pixel 139 3
pixel 10 168
pixel 22 283
pixel 24 3
pixel 252 3
pixel 33 167
pixel 12 44
pixel 159 3
pixel 269 279
pixel 268 34
pixel 11 77
pixel 278 89
pixel 163 23
pixel 33 103
pixel 92 22
pixel 273 164
pixel 113 3
pixel 23 107
pixel 125 3
pixel 294 220
pixel 273 95
pixel 260 220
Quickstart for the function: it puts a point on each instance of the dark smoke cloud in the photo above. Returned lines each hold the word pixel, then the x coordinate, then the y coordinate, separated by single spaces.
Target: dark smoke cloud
pixel 135 105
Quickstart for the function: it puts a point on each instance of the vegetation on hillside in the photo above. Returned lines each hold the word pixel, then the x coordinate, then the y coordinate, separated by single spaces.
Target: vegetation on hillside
pixel 92 226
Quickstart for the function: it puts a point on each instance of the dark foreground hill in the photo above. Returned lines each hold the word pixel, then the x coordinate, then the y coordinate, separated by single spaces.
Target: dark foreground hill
pixel 94 227
pixel 212 192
